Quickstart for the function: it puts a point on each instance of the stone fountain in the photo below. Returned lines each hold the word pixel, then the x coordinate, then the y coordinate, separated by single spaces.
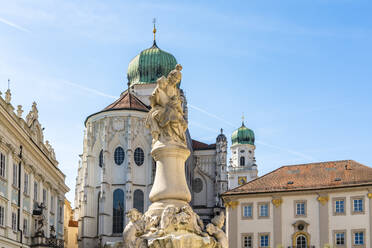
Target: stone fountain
pixel 170 222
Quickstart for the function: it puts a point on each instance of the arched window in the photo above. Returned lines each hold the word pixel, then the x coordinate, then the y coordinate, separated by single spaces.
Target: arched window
pixel 118 211
pixel 242 161
pixel 138 200
pixel 100 159
pixel 119 155
pixel 301 241
pixel 139 156
pixel 98 203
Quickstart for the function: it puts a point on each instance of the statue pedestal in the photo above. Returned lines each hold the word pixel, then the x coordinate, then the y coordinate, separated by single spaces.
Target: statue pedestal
pixel 170 180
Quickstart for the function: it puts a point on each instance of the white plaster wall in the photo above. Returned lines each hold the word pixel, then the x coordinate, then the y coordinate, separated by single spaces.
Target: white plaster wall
pixel 348 221
pixel 288 218
pixel 255 225
pixel 143 91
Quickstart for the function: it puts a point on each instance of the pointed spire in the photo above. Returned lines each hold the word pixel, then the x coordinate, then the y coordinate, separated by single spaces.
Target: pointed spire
pixel 154 31
pixel 243 119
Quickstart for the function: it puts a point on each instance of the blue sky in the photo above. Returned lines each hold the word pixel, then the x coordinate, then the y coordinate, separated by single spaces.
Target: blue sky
pixel 300 71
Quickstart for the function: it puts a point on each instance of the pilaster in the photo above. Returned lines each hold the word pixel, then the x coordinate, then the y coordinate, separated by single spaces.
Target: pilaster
pixel 232 222
pixel 277 219
pixel 323 219
pixel 369 195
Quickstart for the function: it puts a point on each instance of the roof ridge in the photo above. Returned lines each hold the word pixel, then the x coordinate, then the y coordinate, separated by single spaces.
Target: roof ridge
pixel 267 174
pixel 324 162
pixel 308 176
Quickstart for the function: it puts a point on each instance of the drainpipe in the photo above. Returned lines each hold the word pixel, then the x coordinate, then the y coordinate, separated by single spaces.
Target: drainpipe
pixel 19 195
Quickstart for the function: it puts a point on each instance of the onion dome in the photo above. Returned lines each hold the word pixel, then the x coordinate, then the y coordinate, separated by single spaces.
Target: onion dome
pixel 242 135
pixel 221 137
pixel 149 65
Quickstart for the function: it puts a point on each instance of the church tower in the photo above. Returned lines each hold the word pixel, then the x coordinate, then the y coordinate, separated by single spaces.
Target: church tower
pixel 242 167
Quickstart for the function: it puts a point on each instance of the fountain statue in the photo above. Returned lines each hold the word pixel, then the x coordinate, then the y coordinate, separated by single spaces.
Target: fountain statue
pixel 170 221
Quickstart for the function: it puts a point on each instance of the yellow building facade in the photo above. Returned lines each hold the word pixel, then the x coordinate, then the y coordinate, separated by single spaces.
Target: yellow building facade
pixel 70 227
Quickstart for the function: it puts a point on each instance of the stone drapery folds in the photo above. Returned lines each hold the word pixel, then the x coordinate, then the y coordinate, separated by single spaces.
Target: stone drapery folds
pixel 166 119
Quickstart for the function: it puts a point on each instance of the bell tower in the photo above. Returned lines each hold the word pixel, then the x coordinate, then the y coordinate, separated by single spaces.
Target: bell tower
pixel 242 165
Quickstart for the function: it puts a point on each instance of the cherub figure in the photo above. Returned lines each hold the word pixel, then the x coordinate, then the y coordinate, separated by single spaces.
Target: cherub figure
pixel 215 229
pixel 167 224
pixel 134 229
pixel 194 223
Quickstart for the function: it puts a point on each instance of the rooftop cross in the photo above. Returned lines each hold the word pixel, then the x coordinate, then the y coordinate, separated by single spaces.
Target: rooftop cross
pixel 8 83
pixel 243 119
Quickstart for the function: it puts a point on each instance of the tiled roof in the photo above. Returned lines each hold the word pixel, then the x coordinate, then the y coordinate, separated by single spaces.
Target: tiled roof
pixel 323 175
pixel 197 145
pixel 128 101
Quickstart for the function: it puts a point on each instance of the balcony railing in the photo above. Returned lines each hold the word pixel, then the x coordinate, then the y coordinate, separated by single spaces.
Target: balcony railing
pixel 55 243
pixel 302 246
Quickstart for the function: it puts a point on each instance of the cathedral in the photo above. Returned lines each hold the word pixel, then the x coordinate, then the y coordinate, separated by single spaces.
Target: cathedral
pixel 116 170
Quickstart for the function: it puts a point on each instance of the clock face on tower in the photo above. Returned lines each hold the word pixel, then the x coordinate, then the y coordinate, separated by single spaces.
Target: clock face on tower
pixel 242 180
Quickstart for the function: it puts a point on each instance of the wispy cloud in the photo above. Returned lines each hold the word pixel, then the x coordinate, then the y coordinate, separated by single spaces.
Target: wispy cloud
pixel 298 154
pixel 13 25
pixel 211 115
pixel 197 124
pixel 94 91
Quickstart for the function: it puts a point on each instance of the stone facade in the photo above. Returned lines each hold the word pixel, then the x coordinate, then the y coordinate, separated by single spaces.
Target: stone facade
pixel 29 175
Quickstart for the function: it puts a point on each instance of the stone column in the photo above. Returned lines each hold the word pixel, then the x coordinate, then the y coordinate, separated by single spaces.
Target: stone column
pixel 170 186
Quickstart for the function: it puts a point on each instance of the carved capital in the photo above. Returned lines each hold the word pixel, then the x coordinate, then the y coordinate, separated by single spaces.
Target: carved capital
pixel 369 195
pixel 323 199
pixel 277 202
pixel 231 204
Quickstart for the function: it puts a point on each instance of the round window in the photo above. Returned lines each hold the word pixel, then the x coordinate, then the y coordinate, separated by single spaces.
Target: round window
pixel 197 185
pixel 139 156
pixel 119 155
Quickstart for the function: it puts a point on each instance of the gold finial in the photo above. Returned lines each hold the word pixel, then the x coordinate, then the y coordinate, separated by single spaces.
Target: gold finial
pixel 154 30
pixel 243 119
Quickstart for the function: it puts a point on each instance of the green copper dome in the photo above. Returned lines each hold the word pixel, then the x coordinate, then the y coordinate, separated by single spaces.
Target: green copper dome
pixel 150 65
pixel 242 135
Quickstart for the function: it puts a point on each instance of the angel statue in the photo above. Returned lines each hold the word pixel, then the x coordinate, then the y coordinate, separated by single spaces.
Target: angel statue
pixel 165 118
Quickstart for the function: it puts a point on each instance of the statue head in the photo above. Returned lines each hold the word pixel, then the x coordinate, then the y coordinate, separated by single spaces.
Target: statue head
pixel 162 82
pixel 174 77
pixel 187 209
pixel 211 229
pixel 134 215
pixel 171 209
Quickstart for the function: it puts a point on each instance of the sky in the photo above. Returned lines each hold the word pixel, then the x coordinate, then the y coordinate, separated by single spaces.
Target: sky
pixel 299 71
